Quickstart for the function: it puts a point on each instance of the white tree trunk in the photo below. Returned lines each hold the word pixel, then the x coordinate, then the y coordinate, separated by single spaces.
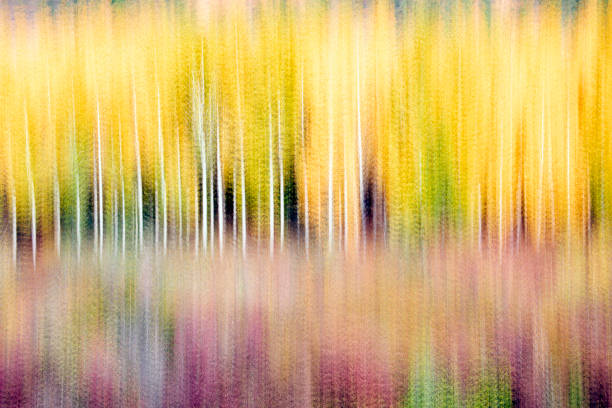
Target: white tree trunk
pixel 219 189
pixel 304 163
pixel 271 180
pixel 31 191
pixel 140 231
pixel 100 190
pixel 160 145
pixel 240 131
pixel 281 195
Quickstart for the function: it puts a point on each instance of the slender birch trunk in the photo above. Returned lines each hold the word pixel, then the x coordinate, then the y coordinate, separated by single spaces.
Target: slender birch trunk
pixel 204 170
pixel 219 189
pixel 271 180
pixel 100 190
pixel 241 135
pixel 95 200
pixel 115 219
pixel 501 188
pixel 56 213
pixel 56 192
pixel 567 165
pixel 359 147
pixel 541 177
pixel 479 219
pixel 281 194
pixel 31 191
pixel 345 193
pixel 14 222
pixel 77 182
pixel 303 141
pixel 180 190
pixel 122 176
pixel 196 119
pixel 258 213
pixel 212 178
pixel 160 145
pixel 330 166
pixel 234 220
pixel 140 233
pixel 156 213
pixel 551 184
pixel 13 198
pixel 196 214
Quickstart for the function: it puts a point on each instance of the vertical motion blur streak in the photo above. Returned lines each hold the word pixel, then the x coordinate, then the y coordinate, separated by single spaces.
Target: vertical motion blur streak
pixel 265 203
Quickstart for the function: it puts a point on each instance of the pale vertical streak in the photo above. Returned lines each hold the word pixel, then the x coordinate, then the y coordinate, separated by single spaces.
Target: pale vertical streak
pixel 13 198
pixel 511 119
pixel 234 220
pixel 30 186
pixel 258 213
pixel 180 189
pixel 281 193
pixel 501 183
pixel 330 188
pixel 187 228
pixel 586 198
pixel 156 214
pixel 303 137
pixel 212 178
pixel 567 165
pixel 100 191
pixel 77 177
pixel 196 214
pixel 114 203
pixel 203 163
pixel 472 219
pixel 122 176
pixel 479 219
pixel 56 193
pixel 197 119
pixel 271 182
pixel 212 207
pixel 344 194
pixel 14 222
pixel 140 220
pixel 602 203
pixel 343 204
pixel 160 144
pixel 115 219
pixel 541 171
pixel 340 213
pixel 551 182
pixel 518 208
pixel 421 217
pixel 459 130
pixel 242 183
pixel 500 186
pixel 359 143
pixel 219 188
pixel 96 225
pixel 385 221
pixel 520 191
pixel 135 215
